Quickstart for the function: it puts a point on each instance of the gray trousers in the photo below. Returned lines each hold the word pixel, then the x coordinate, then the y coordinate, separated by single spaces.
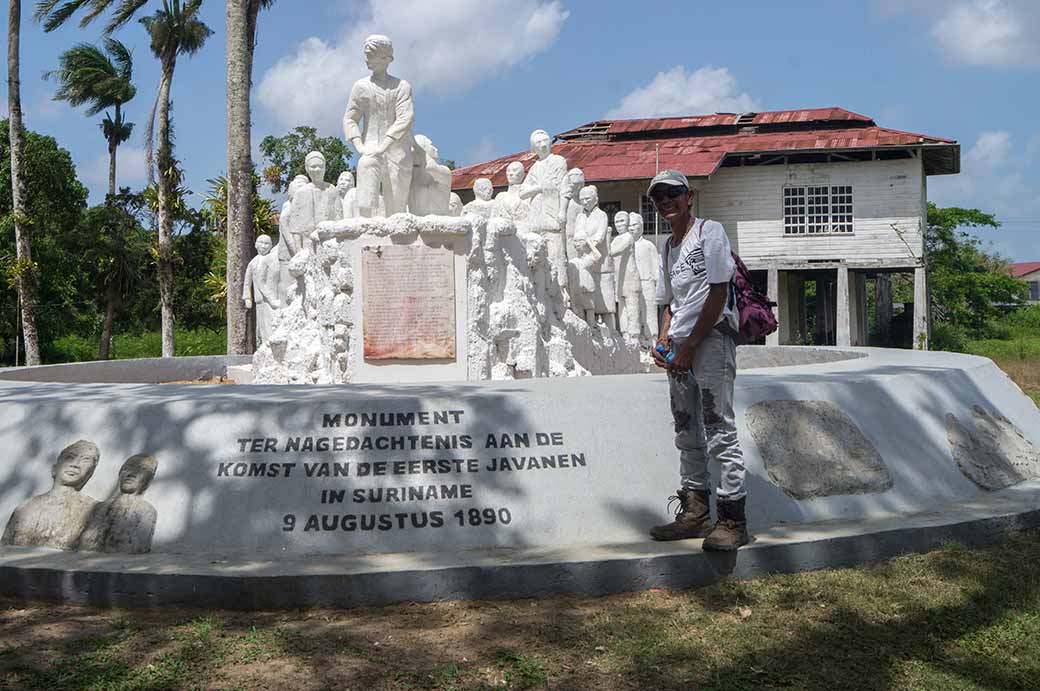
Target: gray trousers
pixel 702 408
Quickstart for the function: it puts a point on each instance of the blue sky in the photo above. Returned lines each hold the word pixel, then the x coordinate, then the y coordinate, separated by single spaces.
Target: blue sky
pixel 487 72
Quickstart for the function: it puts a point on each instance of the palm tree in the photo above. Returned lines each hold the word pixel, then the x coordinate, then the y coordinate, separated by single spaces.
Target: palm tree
pixel 25 275
pixel 100 80
pixel 242 18
pixel 174 29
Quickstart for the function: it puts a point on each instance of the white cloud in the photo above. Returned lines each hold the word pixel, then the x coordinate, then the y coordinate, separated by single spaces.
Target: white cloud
pixel 131 169
pixel 996 33
pixel 444 46
pixel 707 90
pixel 486 149
pixel 990 150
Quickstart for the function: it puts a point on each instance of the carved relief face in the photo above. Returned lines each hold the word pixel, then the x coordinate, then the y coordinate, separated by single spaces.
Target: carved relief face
pixel 635 225
pixel 74 466
pixel 263 245
pixel 345 182
pixel 483 189
pixel 377 61
pixel 576 179
pixel 315 166
pixel 454 204
pixel 621 222
pixel 541 144
pixel 297 184
pixel 588 198
pixel 515 173
pixel 136 474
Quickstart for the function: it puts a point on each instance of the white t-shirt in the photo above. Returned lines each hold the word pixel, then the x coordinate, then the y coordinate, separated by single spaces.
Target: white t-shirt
pixel 688 271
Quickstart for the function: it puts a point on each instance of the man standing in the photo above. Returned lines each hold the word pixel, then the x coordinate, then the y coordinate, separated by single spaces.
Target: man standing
pixel 698 327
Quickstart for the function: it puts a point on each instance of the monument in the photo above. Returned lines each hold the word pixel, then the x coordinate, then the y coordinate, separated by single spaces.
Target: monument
pixel 260 287
pixel 345 185
pixel 378 123
pixel 431 180
pixel 541 188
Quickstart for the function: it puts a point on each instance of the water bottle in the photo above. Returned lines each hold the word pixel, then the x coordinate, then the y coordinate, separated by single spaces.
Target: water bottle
pixel 669 355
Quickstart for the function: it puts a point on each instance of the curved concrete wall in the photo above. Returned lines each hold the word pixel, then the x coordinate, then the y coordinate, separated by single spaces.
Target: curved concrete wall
pixel 281 469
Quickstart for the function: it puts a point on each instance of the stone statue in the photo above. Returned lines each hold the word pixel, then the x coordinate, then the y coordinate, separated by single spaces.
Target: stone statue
pixel 508 204
pixel 431 181
pixel 454 205
pixel 482 204
pixel 378 122
pixel 570 207
pixel 57 517
pixel 603 268
pixel 628 285
pixel 542 188
pixel 345 185
pixel 260 287
pixel 126 522
pixel 589 227
pixel 648 263
pixel 286 243
pixel 312 203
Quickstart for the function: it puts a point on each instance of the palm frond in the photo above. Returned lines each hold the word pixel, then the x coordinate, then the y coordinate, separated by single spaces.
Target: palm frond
pixel 124 13
pixel 53 16
pixel 121 56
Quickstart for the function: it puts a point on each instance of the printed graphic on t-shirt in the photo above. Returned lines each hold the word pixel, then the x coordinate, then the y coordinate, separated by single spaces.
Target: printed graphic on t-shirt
pixel 691 261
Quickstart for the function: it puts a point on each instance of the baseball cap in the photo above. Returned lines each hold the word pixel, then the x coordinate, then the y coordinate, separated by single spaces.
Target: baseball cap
pixel 668 177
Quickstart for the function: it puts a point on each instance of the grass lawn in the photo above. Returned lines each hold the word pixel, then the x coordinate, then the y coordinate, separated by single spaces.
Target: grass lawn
pixel 1019 358
pixel 956 618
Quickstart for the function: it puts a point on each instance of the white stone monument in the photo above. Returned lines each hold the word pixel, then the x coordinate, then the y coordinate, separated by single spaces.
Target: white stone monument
pixel 628 285
pixel 312 203
pixel 648 263
pixel 378 122
pixel 260 287
pixel 454 205
pixel 431 180
pixel 348 193
pixel 508 203
pixel 482 205
pixel 542 188
pixel 589 227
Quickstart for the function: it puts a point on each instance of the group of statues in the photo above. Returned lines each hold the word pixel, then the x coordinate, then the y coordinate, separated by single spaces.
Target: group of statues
pixel 609 277
pixel 65 518
pixel 606 278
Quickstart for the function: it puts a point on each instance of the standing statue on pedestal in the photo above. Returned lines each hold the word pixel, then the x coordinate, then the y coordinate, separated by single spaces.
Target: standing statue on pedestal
pixel 348 195
pixel 648 262
pixel 603 268
pixel 260 287
pixel 622 250
pixel 378 122
pixel 590 224
pixel 431 180
pixel 508 204
pixel 482 204
pixel 542 188
pixel 312 203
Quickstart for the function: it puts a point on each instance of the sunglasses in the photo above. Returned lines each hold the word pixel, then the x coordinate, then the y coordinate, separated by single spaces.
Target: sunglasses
pixel 669 192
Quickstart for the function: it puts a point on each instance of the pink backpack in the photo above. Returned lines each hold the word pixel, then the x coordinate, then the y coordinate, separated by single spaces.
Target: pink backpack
pixel 754 310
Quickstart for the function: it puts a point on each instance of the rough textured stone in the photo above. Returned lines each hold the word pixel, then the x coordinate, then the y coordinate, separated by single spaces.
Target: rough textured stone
pixel 813 449
pixel 992 453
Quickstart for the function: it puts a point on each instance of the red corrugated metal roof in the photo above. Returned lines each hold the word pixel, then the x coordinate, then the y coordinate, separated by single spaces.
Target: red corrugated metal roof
pixel 634 158
pixel 722 119
pixel 1020 270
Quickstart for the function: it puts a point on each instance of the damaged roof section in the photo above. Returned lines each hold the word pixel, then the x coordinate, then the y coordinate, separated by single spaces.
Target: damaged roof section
pixel 699 145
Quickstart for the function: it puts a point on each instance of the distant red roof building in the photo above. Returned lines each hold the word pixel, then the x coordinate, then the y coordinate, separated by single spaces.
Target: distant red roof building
pixel 700 145
pixel 1024 269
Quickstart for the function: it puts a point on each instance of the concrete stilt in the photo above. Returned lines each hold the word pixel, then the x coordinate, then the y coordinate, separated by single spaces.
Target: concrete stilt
pixel 773 290
pixel 843 321
pixel 921 330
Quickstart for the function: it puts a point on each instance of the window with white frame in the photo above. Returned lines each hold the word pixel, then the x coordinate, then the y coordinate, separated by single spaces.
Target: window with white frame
pixel 817 209
pixel 649 214
pixel 1034 291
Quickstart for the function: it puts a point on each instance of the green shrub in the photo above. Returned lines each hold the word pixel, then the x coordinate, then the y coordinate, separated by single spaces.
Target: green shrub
pixel 948 337
pixel 186 343
pixel 72 348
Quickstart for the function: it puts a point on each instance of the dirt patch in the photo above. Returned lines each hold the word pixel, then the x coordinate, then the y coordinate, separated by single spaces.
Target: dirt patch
pixel 212 380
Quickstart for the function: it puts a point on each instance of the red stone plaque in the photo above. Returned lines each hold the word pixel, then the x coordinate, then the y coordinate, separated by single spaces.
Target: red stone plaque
pixel 409 303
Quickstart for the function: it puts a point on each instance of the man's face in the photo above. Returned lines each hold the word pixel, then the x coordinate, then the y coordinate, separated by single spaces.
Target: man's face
pixel 377 61
pixel 345 183
pixel 483 189
pixel 588 199
pixel 74 468
pixel 541 145
pixel 515 174
pixel 635 226
pixel 621 222
pixel 671 201
pixel 263 245
pixel 316 168
pixel 134 478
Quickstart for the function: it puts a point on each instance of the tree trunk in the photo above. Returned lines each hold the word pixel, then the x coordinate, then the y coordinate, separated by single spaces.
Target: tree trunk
pixel 113 143
pixel 240 173
pixel 165 161
pixel 111 300
pixel 25 281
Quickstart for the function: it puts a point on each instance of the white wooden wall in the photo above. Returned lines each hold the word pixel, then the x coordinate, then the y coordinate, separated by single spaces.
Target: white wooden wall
pixel 748 202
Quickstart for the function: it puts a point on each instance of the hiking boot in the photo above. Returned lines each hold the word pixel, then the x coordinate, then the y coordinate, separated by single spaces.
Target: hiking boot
pixel 691 518
pixel 730 531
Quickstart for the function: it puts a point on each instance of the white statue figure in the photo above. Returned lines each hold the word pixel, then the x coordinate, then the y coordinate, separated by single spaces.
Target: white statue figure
pixel 508 204
pixel 628 284
pixel 125 523
pixel 570 207
pixel 542 188
pixel 348 195
pixel 313 203
pixel 648 262
pixel 57 517
pixel 286 243
pixel 602 269
pixel 589 227
pixel 454 205
pixel 260 287
pixel 482 204
pixel 378 122
pixel 431 181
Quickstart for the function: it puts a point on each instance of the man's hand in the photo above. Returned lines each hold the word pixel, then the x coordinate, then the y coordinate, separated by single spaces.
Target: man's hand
pixel 659 357
pixel 683 358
